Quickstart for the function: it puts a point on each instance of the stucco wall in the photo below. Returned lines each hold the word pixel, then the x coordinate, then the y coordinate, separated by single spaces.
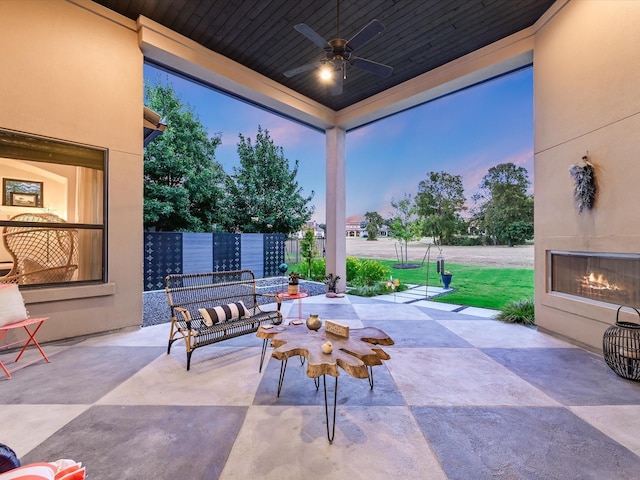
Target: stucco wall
pixel 587 99
pixel 73 71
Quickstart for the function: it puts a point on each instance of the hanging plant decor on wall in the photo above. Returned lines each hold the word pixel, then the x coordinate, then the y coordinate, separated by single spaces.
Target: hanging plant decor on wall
pixel 584 190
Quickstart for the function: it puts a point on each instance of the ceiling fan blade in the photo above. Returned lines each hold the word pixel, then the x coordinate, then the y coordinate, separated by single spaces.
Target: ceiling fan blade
pixel 370 30
pixel 338 81
pixel 371 66
pixel 302 68
pixel 312 35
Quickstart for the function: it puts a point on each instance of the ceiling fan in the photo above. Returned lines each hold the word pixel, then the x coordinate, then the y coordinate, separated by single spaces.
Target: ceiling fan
pixel 339 53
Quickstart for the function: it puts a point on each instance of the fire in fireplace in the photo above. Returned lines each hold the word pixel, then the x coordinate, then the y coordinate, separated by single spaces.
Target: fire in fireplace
pixel 598 282
pixel 604 277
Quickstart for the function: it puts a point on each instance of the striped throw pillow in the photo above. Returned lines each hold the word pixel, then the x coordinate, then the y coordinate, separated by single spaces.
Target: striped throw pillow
pixel 223 313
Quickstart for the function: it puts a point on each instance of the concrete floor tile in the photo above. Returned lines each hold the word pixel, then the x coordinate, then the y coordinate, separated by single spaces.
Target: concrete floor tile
pixel 449 307
pixel 409 333
pixel 370 443
pixel 389 312
pixel 332 311
pixel 568 375
pixel 391 298
pixel 30 358
pixel 26 426
pixel 480 312
pixel 327 300
pixel 299 389
pixel 620 422
pixel 502 335
pixel 486 443
pixel 463 376
pixel 228 375
pixel 141 442
pixel 151 336
pixel 77 375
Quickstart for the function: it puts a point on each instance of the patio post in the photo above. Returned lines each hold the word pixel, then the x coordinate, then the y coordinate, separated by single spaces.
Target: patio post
pixel 336 244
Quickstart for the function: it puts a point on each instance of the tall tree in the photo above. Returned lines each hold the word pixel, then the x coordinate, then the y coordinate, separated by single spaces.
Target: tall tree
pixel 264 194
pixel 404 224
pixel 505 210
pixel 439 201
pixel 371 223
pixel 183 183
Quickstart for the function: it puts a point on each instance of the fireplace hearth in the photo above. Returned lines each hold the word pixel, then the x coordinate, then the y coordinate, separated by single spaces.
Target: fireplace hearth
pixel 612 278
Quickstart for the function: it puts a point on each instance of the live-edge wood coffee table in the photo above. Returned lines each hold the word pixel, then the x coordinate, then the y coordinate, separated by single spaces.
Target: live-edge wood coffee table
pixel 356 355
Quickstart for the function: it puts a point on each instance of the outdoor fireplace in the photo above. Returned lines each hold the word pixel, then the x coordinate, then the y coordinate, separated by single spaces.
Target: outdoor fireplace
pixel 603 277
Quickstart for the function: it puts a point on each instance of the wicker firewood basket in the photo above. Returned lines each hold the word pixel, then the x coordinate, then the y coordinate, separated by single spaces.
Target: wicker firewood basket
pixel 621 347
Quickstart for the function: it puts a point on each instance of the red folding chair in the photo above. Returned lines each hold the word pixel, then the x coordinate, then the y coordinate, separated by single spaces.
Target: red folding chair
pixel 31 339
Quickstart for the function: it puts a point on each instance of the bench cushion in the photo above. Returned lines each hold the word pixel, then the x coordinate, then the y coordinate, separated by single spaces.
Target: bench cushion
pixel 223 313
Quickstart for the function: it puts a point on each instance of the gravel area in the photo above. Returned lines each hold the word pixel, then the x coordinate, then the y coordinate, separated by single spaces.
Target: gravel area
pixel 155 309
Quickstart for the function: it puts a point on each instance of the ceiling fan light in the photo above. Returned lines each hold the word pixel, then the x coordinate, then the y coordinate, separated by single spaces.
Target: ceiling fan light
pixel 325 73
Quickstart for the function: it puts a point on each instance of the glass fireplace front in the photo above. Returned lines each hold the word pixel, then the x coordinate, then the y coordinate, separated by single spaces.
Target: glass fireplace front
pixel 604 277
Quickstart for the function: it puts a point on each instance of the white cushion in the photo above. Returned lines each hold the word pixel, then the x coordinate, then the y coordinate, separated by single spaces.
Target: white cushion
pixel 13 309
pixel 223 313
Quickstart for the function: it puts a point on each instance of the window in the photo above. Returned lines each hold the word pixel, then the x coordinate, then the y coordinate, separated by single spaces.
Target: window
pixel 52 212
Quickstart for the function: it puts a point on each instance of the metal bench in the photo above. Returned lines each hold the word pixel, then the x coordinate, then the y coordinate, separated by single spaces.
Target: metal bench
pixel 188 293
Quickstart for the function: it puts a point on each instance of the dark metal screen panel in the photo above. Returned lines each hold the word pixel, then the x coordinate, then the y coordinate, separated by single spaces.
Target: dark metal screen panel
pixel 273 253
pixel 162 256
pixel 226 252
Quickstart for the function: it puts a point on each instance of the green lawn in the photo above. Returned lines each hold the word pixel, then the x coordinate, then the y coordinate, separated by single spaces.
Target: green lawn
pixel 485 287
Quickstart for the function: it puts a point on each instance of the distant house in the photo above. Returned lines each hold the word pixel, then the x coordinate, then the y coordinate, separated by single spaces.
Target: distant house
pixel 313 225
pixel 354 228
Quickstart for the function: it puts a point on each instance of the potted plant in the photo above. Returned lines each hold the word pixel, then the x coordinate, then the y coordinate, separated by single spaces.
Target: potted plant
pixel 294 280
pixel 331 281
pixel 446 278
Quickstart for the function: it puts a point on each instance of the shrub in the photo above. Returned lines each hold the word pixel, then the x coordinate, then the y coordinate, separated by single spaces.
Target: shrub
pixel 366 290
pixel 370 272
pixel 465 241
pixel 318 267
pixel 379 288
pixel 519 311
pixel 353 266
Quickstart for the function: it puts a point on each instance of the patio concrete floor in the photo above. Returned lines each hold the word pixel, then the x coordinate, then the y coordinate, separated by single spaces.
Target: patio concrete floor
pixel 462 397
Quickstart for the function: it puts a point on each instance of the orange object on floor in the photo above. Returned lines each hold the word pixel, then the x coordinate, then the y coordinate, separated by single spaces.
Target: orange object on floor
pixel 30 340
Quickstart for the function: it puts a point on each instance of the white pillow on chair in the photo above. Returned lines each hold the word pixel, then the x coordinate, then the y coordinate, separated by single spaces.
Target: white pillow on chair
pixel 12 307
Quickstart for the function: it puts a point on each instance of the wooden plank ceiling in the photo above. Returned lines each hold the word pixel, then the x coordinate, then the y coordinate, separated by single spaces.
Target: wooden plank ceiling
pixel 419 35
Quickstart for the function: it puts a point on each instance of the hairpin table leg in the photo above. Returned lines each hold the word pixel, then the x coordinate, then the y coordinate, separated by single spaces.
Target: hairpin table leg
pixel 264 351
pixel 331 430
pixel 283 369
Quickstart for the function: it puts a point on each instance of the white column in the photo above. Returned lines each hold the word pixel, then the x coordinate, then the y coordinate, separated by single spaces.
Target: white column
pixel 336 242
